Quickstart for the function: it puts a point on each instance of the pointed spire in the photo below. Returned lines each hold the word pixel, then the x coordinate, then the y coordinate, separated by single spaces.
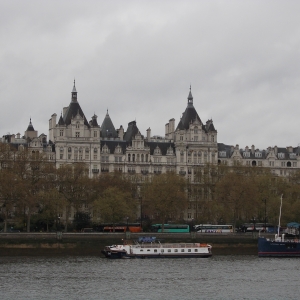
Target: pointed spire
pixel 74 93
pixel 190 97
pixel 74 87
pixel 30 127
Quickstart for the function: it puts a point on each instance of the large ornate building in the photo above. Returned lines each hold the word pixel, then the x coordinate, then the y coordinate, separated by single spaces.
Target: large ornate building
pixel 184 148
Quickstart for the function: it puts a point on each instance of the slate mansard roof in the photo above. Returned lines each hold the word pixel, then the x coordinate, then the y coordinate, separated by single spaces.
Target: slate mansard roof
pixel 74 109
pixel 107 128
pixel 226 151
pixel 112 144
pixel 190 115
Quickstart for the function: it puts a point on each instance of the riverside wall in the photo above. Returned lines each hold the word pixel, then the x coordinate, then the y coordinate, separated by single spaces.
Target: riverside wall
pixel 43 244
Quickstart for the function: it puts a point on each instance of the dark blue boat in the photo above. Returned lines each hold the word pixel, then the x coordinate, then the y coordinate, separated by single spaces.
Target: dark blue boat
pixel 284 245
pixel 278 247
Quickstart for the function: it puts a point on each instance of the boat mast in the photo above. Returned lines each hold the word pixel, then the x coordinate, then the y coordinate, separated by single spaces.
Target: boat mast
pixel 279 215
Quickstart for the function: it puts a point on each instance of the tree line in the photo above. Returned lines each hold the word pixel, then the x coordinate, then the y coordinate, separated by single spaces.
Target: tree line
pixel 33 190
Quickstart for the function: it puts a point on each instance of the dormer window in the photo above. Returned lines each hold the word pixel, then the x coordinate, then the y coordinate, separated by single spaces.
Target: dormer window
pixel 77 124
pixel 157 151
pixel 170 151
pixel 258 154
pixel 246 154
pixel 222 153
pixel 281 155
pixel 292 155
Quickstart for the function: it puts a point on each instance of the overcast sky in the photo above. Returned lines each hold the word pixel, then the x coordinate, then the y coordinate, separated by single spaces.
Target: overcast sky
pixel 138 58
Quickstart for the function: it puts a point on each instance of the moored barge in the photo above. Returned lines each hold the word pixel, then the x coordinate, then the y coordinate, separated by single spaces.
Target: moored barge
pixel 158 250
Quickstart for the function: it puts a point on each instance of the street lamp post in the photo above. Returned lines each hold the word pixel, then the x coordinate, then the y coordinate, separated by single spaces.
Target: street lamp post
pixel 58 225
pixel 127 228
pixel 265 200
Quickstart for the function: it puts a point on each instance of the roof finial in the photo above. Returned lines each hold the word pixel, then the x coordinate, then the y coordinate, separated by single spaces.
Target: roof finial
pixel 74 88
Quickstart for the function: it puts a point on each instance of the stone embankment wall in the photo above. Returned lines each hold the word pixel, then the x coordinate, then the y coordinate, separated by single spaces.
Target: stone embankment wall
pixel 34 244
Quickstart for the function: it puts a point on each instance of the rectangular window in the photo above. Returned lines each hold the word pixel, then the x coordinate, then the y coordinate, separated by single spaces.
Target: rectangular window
pixel 95 156
pixel 95 133
pixel 77 134
pixel 61 132
pixel 61 156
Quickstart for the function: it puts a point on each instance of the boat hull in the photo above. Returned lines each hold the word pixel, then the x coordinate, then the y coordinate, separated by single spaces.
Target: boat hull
pixel 125 255
pixel 273 248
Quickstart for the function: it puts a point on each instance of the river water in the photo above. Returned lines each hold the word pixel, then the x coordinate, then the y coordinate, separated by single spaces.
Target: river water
pixel 218 277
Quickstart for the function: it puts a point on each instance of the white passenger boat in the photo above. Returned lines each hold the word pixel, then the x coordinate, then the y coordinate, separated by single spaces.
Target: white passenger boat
pixel 158 250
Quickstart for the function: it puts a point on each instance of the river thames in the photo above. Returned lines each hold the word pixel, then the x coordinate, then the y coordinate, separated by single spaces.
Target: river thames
pixel 218 277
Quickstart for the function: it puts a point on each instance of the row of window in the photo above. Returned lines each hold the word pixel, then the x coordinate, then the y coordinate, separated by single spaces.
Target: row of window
pixel 170 250
pixel 77 133
pixel 137 157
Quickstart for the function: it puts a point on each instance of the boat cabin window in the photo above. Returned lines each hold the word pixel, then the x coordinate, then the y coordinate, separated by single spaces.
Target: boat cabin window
pixel 196 250
pixel 162 250
pixel 175 250
pixel 189 250
pixel 169 250
pixel 148 249
pixel 182 250
pixel 141 250
pixel 155 250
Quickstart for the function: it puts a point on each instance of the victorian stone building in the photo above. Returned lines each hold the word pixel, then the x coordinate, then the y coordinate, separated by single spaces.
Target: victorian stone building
pixel 190 144
pixel 186 146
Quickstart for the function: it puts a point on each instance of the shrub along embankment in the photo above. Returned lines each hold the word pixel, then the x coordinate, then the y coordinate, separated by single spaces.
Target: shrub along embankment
pixel 35 244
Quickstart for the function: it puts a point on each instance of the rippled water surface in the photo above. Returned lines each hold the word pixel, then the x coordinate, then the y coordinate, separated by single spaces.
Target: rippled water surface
pixel 219 277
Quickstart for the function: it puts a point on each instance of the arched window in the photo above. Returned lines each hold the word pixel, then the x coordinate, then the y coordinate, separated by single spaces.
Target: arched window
pixel 69 149
pixel 129 157
pixel 142 158
pixel 133 157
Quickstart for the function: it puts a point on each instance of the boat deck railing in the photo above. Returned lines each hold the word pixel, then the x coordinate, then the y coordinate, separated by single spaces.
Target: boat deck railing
pixel 177 245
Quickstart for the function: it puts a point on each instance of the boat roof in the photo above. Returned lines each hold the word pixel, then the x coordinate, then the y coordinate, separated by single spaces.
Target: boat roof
pixel 293 224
